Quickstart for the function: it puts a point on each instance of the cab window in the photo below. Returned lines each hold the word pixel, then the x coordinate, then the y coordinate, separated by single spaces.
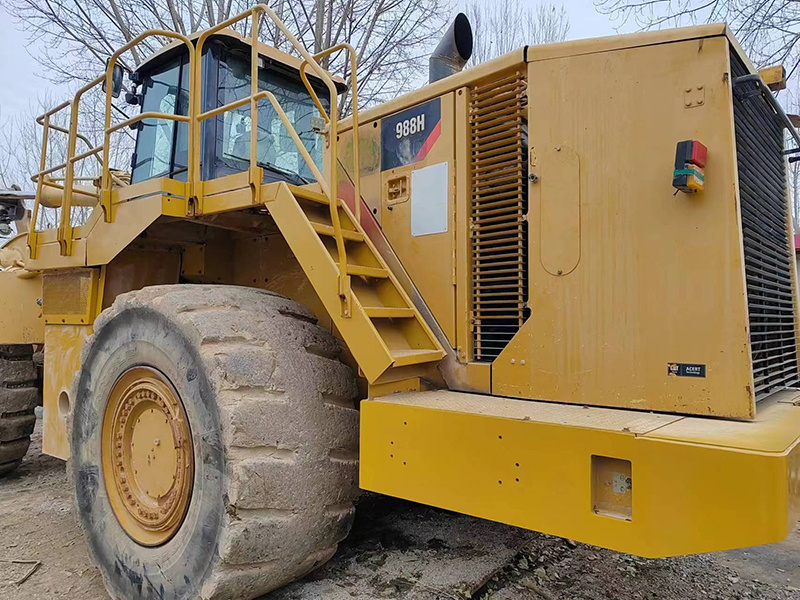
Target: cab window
pixel 277 152
pixel 156 138
pixel 224 145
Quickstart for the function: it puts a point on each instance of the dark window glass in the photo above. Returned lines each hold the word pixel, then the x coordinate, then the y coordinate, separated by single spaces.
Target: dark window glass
pixel 161 144
pixel 276 149
pixel 154 141
pixel 179 168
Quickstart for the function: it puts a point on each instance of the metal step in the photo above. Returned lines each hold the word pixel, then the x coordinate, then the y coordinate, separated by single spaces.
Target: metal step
pixel 414 357
pixel 307 194
pixel 362 271
pixel 347 234
pixel 388 312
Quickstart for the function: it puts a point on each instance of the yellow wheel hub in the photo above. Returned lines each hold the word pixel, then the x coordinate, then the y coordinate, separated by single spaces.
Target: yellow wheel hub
pixel 148 460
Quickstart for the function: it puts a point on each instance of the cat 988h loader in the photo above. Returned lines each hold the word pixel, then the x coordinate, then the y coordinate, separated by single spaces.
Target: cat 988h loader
pixel 555 290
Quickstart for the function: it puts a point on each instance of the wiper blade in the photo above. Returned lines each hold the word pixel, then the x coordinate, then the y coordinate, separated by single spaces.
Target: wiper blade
pixel 281 171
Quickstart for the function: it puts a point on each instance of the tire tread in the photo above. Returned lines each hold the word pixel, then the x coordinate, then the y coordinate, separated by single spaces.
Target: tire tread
pixel 19 396
pixel 272 369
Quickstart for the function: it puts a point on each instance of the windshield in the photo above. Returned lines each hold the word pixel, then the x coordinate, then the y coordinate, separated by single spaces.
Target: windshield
pixel 276 150
pixel 161 144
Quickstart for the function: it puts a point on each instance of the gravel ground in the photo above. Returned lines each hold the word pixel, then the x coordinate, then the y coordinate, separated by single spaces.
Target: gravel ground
pixel 401 550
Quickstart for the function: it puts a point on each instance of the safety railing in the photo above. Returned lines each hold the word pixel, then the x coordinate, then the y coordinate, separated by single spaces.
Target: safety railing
pixel 41 178
pixel 65 233
pixel 195 118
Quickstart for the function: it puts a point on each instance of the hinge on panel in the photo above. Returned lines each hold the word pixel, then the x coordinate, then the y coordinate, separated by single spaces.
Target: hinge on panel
pixel 345 295
pixel 256 176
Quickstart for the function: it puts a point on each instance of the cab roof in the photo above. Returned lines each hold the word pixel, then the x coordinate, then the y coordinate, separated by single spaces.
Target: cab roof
pixel 234 38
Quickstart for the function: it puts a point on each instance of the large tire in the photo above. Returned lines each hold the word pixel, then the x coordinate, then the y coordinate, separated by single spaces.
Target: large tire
pixel 19 396
pixel 274 432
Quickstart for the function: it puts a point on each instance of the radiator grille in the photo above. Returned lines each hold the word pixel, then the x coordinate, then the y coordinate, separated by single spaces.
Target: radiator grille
pixel 499 241
pixel 767 255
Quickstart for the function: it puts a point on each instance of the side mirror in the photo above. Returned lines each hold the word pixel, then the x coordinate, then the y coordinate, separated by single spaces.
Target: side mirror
pixel 116 81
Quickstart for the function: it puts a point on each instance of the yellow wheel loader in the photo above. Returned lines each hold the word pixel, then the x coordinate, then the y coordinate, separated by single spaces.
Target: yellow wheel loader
pixel 555 290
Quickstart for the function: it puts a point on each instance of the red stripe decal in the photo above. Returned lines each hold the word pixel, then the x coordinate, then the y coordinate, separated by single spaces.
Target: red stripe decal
pixel 426 147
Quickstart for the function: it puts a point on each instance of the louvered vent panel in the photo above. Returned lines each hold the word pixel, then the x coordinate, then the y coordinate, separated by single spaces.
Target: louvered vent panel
pixel 767 255
pixel 499 241
pixel 67 293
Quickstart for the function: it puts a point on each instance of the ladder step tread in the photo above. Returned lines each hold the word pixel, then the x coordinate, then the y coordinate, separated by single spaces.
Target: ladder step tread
pixel 362 271
pixel 306 194
pixel 348 234
pixel 415 356
pixel 388 312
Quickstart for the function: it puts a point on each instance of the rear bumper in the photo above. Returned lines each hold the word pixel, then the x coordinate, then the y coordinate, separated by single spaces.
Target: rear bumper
pixel 654 485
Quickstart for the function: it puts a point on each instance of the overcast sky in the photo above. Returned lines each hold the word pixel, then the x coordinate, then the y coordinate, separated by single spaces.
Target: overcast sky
pixel 21 84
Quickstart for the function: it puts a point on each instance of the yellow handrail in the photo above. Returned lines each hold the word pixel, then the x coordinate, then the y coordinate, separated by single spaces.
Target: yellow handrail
pixel 65 226
pixel 65 230
pixel 60 186
pixel 33 235
pixel 81 137
pixel 91 152
pixel 39 178
pixel 354 87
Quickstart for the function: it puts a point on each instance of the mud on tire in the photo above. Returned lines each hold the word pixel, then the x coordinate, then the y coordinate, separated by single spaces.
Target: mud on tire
pixel 274 430
pixel 19 396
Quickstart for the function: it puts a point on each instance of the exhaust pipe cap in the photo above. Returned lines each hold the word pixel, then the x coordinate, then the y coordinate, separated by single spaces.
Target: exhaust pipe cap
pixel 463 35
pixel 453 51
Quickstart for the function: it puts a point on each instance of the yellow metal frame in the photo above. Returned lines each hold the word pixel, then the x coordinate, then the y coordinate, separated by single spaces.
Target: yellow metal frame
pixel 66 233
pixel 332 121
pixel 376 353
pixel 194 186
pixel 687 484
pixel 683 485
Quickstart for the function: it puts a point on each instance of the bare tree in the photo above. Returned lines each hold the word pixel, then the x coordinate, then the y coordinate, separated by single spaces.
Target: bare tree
pixel 501 26
pixel 20 148
pixel 768 29
pixel 391 37
pixel 792 103
pixel 21 144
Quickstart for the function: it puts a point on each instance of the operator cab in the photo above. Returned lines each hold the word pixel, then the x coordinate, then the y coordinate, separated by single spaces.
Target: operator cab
pixel 163 86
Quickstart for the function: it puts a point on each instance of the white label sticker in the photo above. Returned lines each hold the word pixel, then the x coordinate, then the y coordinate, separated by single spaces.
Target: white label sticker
pixel 429 200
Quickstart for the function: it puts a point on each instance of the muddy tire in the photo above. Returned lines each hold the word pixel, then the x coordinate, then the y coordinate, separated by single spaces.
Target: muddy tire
pixel 274 431
pixel 19 396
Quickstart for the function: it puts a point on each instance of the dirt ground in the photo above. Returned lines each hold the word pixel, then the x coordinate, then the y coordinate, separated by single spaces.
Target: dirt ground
pixel 400 550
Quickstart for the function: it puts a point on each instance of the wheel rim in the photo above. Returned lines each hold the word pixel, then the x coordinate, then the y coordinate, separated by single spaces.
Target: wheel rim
pixel 148 459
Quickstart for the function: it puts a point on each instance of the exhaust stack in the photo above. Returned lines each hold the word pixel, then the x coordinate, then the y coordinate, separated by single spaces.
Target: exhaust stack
pixel 453 51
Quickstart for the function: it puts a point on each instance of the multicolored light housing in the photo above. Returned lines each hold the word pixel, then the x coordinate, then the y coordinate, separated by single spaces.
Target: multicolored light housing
pixel 690 160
